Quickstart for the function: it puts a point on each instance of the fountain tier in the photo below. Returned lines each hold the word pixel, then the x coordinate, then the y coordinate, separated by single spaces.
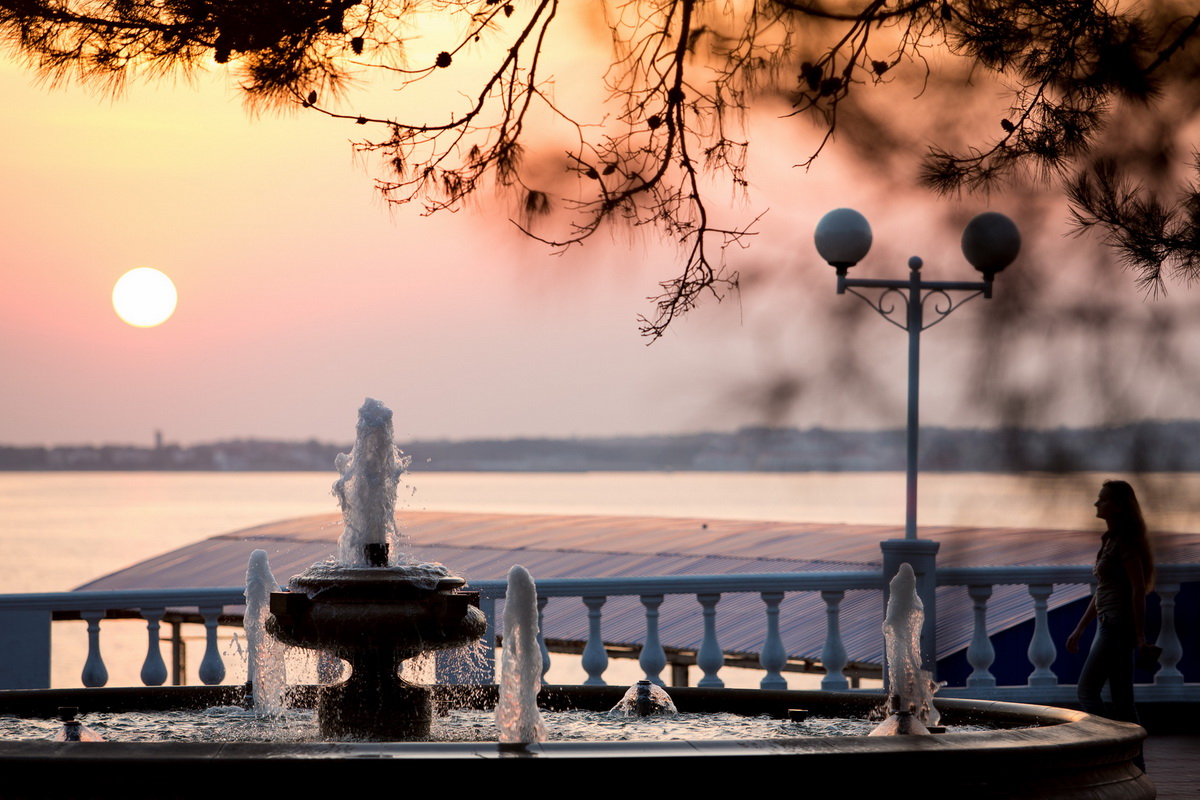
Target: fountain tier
pixel 375 618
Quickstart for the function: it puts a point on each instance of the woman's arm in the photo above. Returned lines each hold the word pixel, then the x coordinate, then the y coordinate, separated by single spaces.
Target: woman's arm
pixel 1085 620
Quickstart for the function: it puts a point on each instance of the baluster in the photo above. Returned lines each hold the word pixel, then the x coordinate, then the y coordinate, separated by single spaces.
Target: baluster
pixel 773 657
pixel 212 668
pixel 980 653
pixel 541 637
pixel 653 658
pixel 595 659
pixel 710 659
pixel 94 671
pixel 1168 638
pixel 154 669
pixel 1041 647
pixel 833 654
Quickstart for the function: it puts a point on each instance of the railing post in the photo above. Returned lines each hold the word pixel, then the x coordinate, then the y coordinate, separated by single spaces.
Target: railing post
pixel 25 639
pixel 212 668
pixel 980 653
pixel 1168 638
pixel 710 658
pixel 154 670
pixel 94 671
pixel 653 658
pixel 595 658
pixel 833 654
pixel 772 657
pixel 541 637
pixel 1041 647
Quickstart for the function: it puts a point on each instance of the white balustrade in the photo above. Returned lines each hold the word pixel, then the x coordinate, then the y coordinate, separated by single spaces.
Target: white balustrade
pixel 709 658
pixel 653 658
pixel 154 670
pixel 1168 638
pixel 26 618
pixel 833 655
pixel 980 653
pixel 94 671
pixel 1042 651
pixel 773 656
pixel 212 668
pixel 595 657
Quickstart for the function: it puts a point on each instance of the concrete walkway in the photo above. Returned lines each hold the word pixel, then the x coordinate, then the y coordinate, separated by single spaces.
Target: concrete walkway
pixel 1173 762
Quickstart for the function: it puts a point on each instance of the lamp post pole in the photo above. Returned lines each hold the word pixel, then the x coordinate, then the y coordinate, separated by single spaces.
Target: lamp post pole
pixel 990 242
pixel 912 295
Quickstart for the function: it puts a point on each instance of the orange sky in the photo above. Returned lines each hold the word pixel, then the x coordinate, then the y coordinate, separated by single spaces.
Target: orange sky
pixel 300 293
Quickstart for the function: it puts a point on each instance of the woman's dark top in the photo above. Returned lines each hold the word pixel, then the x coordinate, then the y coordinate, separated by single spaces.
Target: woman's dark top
pixel 1114 595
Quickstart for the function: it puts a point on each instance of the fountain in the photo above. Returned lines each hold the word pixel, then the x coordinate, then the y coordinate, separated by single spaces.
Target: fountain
pixel 368 611
pixel 375 611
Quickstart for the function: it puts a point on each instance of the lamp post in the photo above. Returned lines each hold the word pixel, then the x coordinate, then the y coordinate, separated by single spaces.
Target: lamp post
pixel 990 242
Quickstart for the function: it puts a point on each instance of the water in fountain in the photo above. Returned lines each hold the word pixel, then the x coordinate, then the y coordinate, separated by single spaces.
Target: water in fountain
pixel 910 688
pixel 265 670
pixel 517 715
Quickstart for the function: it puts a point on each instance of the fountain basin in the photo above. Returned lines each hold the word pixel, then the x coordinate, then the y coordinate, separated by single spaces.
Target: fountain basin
pixel 375 618
pixel 1057 754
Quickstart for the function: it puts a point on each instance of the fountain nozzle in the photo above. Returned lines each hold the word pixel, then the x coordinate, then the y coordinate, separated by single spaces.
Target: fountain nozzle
pixel 376 554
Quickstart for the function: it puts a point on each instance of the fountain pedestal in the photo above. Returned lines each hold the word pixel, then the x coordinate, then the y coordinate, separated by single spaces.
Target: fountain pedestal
pixel 375 618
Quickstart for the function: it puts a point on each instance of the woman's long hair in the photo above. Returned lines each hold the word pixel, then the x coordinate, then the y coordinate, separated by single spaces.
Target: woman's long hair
pixel 1131 526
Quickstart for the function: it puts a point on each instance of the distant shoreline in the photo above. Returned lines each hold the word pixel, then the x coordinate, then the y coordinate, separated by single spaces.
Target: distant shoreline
pixel 1139 447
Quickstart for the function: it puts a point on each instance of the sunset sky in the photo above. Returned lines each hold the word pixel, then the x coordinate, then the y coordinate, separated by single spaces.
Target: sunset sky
pixel 301 293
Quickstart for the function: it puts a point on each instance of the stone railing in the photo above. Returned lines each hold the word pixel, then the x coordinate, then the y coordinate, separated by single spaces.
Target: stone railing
pixel 25 625
pixel 707 589
pixel 1043 684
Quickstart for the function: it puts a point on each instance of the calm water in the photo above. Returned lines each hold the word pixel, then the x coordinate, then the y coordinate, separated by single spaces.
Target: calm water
pixel 62 529
pixel 59 530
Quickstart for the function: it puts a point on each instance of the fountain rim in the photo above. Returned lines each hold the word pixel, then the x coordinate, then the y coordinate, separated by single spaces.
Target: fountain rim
pixel 1069 754
pixel 1058 726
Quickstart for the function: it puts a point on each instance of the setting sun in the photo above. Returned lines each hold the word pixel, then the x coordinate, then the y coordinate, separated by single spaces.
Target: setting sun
pixel 144 297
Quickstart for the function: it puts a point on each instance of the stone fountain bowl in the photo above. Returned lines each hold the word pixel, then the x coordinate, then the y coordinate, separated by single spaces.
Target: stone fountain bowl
pixel 1034 751
pixel 347 610
pixel 375 618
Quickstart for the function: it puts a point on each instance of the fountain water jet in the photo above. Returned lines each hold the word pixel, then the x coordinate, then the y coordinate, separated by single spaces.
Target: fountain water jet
pixel 517 715
pixel 265 669
pixel 910 688
pixel 372 614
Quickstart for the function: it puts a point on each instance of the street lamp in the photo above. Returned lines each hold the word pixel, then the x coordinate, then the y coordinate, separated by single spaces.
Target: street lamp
pixel 990 242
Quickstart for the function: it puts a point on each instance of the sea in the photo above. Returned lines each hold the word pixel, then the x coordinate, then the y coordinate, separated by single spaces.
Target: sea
pixel 61 529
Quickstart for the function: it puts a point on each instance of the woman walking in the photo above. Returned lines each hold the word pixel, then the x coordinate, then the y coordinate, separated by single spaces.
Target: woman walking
pixel 1124 573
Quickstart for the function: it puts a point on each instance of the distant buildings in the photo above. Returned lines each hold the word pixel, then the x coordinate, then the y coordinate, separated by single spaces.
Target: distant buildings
pixel 1147 446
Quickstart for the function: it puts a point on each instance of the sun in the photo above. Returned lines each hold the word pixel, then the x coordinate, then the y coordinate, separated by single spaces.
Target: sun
pixel 144 297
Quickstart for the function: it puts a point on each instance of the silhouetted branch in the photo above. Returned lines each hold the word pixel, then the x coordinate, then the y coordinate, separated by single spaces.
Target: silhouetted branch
pixel 681 79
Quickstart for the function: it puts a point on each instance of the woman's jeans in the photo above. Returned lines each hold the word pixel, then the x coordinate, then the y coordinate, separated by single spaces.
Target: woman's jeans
pixel 1110 661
